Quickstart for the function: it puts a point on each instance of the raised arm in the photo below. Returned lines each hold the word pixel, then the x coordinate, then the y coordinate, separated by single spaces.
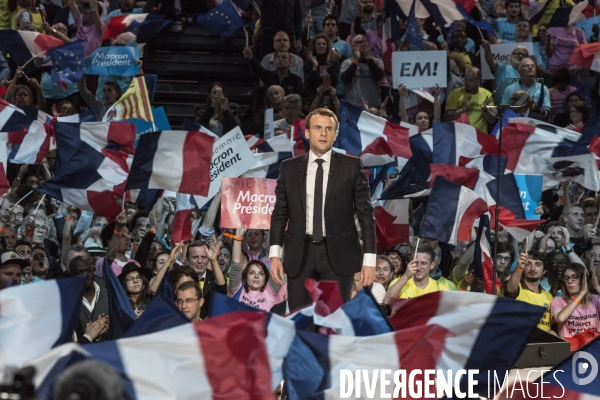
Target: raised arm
pixel 175 252
pixel 74 10
pixel 512 285
pixel 113 245
pixel 394 290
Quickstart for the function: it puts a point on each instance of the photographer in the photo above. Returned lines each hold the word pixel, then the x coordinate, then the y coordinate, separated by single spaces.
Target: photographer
pixel 320 70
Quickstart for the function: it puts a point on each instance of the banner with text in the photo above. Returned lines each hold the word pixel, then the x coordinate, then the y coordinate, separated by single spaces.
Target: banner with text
pixel 501 54
pixel 113 60
pixel 231 158
pixel 530 191
pixel 419 69
pixel 248 201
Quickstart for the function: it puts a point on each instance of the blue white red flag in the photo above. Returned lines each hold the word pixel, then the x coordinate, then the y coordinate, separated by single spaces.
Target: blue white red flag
pixel 451 211
pixel 267 165
pixel 24 45
pixel 27 136
pixel 138 28
pixel 182 222
pixel 451 140
pixel 37 317
pixel 172 160
pixel 374 139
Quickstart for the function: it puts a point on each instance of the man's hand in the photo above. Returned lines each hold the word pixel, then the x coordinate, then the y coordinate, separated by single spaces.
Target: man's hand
pixel 277 273
pixel 247 53
pixel 589 231
pixel 411 269
pixel 121 221
pixel 367 275
pixel 565 237
pixel 212 251
pixel 485 44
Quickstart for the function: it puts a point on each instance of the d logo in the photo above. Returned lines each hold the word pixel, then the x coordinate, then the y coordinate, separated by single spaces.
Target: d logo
pixel 582 368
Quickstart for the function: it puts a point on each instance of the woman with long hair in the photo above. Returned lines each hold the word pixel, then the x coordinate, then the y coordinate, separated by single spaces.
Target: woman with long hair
pixel 217 115
pixel 576 310
pixel 320 69
pixel 135 283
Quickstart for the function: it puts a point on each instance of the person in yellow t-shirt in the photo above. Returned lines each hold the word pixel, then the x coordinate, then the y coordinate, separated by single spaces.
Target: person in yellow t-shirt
pixel 524 285
pixel 416 281
pixel 469 100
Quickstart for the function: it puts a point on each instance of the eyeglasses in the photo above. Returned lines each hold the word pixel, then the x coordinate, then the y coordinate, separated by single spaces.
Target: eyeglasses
pixel 186 301
pixel 394 259
pixel 133 278
pixel 520 54
pixel 573 278
pixel 41 228
pixel 25 254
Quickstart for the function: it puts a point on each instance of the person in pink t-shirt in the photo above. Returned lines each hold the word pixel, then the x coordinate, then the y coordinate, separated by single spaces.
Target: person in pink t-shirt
pixel 90 27
pixel 576 310
pixel 560 44
pixel 251 285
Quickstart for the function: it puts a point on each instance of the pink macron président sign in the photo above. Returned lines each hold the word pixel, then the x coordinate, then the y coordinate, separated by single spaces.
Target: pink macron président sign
pixel 248 201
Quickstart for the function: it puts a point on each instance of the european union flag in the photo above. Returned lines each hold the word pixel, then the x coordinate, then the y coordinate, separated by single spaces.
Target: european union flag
pixel 68 62
pixel 223 19
pixel 480 24
pixel 413 34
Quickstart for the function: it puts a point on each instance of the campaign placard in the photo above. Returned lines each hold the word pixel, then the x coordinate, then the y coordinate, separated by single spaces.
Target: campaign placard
pixel 113 60
pixel 501 54
pixel 530 191
pixel 248 201
pixel 231 158
pixel 419 69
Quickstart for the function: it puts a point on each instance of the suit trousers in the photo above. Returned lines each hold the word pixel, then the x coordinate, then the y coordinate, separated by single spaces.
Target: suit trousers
pixel 315 265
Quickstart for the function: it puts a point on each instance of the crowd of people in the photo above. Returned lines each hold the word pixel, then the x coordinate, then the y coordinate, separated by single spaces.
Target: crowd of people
pixel 306 59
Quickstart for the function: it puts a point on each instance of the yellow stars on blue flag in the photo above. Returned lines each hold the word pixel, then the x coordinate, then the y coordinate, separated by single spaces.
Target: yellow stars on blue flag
pixel 223 19
pixel 67 66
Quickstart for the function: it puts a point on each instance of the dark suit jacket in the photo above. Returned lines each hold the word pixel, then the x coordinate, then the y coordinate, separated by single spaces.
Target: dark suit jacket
pixel 101 307
pixel 209 286
pixel 347 195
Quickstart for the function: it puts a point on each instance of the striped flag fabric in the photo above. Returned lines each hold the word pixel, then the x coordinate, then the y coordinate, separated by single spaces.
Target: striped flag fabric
pixel 451 140
pixel 451 211
pixel 24 45
pixel 138 28
pixel 27 137
pixel 134 103
pixel 182 224
pixel 172 160
pixel 35 318
pixel 391 223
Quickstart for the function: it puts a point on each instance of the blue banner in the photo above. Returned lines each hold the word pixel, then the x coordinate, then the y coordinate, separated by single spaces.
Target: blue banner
pixel 160 122
pixel 530 191
pixel 113 60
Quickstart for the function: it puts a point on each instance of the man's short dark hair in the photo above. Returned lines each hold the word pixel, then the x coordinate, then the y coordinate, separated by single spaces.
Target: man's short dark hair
pixel 195 243
pixel 24 243
pixel 425 249
pixel 189 285
pixel 330 18
pixel 138 215
pixel 176 274
pixel 323 112
pixel 74 247
pixel 504 247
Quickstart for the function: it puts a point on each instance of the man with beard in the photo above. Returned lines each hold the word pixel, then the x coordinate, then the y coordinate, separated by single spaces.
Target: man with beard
pixel 469 100
pixel 503 71
pixel 524 285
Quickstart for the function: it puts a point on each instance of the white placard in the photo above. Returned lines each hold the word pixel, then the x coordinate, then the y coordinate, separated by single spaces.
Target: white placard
pixel 501 54
pixel 419 69
pixel 269 127
pixel 232 146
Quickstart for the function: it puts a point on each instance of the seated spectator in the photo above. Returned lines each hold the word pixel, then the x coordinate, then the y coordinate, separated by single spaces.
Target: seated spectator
pixel 563 119
pixel 560 91
pixel 458 42
pixel 10 269
pixel 469 100
pixel 320 69
pixel 282 75
pixel 64 108
pixel 112 93
pixel 576 310
pixel 579 233
pixel 27 17
pixel 217 115
pixel 397 262
pixel 384 271
pixel 281 42
pixel 416 281
pixel 116 237
pixel 21 96
pixel 456 71
pixel 461 26
pixel 292 109
pixel 578 113
pixel 529 83
pixel 421 118
pixel 361 75
pixel 506 27
pixel 135 284
pixel 275 97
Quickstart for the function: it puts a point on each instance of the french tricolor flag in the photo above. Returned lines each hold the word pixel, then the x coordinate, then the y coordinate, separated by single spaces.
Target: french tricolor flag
pixel 172 160
pixel 267 165
pixel 374 139
pixel 451 140
pixel 224 357
pixel 485 332
pixel 24 45
pixel 37 317
pixel 87 181
pixel 182 222
pixel 451 211
pixel 279 143
pixel 28 136
pixel 138 28
pixel 391 223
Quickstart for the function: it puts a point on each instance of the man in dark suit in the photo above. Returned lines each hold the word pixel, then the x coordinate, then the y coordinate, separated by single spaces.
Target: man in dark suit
pixel 204 261
pixel 318 195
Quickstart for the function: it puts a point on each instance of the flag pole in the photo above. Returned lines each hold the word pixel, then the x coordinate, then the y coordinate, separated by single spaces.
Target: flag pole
pixel 39 204
pixel 33 58
pixel 22 198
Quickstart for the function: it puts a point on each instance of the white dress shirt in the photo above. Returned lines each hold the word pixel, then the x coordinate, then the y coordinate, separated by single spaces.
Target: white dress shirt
pixel 311 174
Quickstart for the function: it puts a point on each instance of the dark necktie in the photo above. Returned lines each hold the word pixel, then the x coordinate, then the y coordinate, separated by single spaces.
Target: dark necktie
pixel 318 205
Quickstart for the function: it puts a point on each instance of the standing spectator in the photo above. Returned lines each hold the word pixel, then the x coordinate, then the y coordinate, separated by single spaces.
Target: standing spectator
pixel 536 90
pixel 469 100
pixel 560 44
pixel 365 15
pixel 90 27
pixel 292 108
pixel 217 115
pixel 524 285
pixel 506 27
pixel 560 91
pixel 361 74
pixel 320 66
pixel 576 310
pixel 203 260
pixel 189 300
pixel 27 17
pixel 280 16
pixel 282 75
pixel 341 49
pixel 503 71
